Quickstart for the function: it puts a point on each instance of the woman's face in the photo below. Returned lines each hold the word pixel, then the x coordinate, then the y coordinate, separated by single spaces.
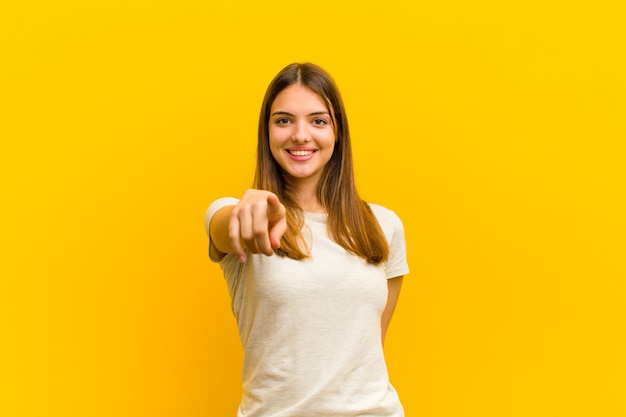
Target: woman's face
pixel 302 137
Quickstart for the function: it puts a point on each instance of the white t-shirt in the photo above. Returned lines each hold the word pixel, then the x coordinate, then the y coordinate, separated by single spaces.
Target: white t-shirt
pixel 311 329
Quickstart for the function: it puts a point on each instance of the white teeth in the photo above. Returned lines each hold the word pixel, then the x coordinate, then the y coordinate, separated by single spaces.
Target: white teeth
pixel 300 153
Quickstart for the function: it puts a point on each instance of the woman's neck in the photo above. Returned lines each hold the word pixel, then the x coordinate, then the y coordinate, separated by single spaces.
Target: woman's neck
pixel 312 207
pixel 306 197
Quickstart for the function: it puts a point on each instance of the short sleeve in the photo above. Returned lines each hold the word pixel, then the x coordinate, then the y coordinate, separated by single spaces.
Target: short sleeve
pixel 393 230
pixel 397 264
pixel 214 254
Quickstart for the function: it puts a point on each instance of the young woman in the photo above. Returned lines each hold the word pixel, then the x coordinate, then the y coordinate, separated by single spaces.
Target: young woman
pixel 313 271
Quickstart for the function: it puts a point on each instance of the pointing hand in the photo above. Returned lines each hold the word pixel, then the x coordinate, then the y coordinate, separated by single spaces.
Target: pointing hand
pixel 257 223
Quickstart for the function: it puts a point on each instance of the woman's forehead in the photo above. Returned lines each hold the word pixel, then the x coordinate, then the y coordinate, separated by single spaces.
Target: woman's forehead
pixel 299 96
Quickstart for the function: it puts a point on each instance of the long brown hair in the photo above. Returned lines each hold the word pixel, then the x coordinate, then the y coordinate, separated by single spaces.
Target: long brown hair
pixel 351 223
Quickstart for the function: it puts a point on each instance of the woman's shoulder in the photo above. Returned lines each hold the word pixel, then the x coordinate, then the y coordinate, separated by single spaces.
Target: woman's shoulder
pixel 220 203
pixel 217 205
pixel 379 210
pixel 384 215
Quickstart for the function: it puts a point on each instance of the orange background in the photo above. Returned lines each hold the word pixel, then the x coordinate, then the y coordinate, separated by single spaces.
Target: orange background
pixel 494 129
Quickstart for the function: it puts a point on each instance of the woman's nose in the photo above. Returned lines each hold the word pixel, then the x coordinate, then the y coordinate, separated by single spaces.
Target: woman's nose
pixel 301 133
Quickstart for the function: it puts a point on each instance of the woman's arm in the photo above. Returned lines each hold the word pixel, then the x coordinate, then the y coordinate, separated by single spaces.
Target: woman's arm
pixel 394 285
pixel 218 229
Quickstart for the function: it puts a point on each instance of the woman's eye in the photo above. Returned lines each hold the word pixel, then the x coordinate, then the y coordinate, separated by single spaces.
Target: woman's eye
pixel 320 122
pixel 282 121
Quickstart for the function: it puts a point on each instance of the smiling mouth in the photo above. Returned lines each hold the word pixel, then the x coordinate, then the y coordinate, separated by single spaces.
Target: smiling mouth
pixel 300 152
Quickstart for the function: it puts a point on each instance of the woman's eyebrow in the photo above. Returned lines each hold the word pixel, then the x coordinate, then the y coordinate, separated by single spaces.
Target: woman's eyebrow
pixel 286 113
